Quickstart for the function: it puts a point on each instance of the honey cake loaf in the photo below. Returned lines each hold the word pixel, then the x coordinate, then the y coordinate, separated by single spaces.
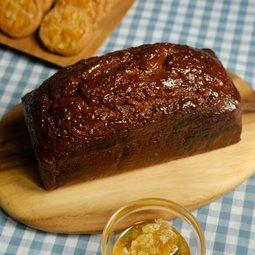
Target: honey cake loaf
pixel 129 109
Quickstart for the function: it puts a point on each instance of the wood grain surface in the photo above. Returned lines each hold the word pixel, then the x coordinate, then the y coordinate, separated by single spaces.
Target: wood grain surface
pixel 31 45
pixel 85 207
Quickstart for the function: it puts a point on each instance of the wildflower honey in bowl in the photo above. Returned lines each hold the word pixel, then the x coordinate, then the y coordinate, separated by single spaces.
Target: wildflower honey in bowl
pixel 152 226
pixel 155 238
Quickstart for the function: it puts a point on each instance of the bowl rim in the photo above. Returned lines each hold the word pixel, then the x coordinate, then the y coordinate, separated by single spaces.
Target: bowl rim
pixel 154 201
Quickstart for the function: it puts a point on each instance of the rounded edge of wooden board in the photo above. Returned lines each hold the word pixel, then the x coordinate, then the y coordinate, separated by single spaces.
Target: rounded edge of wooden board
pixel 91 210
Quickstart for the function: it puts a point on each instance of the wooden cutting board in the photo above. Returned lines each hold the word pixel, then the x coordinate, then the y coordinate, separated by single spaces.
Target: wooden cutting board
pixel 31 44
pixel 85 207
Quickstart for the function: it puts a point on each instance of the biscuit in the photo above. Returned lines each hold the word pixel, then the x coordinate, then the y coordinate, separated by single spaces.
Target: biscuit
pixel 46 4
pixel 20 18
pixel 108 5
pixel 94 9
pixel 64 29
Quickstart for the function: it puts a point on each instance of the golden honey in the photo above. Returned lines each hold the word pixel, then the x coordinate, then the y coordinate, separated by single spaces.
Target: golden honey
pixel 155 238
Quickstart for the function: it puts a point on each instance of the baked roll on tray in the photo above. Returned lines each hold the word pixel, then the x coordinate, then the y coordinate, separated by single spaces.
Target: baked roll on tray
pixel 130 109
pixel 22 18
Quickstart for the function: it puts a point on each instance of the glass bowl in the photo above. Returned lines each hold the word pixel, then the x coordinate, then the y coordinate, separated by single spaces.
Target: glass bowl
pixel 147 210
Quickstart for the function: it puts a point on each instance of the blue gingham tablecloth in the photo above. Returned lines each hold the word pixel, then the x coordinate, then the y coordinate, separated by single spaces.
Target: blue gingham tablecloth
pixel 226 26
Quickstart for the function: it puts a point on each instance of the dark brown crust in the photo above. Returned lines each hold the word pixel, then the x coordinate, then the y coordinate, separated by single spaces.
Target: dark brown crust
pixel 131 108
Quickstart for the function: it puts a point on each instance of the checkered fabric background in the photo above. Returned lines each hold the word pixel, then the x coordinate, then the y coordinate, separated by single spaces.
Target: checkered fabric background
pixel 226 26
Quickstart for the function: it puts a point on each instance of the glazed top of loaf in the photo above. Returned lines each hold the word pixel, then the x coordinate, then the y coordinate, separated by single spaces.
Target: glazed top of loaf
pixel 124 90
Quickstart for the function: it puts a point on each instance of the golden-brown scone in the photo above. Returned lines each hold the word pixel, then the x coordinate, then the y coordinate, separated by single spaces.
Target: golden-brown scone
pixel 46 4
pixel 19 18
pixel 94 9
pixel 64 29
pixel 109 4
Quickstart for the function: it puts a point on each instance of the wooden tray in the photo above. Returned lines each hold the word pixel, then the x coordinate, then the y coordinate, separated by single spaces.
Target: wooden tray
pixel 32 45
pixel 85 207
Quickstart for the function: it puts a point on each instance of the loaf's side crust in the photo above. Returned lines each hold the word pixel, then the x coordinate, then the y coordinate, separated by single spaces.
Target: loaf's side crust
pixel 155 144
